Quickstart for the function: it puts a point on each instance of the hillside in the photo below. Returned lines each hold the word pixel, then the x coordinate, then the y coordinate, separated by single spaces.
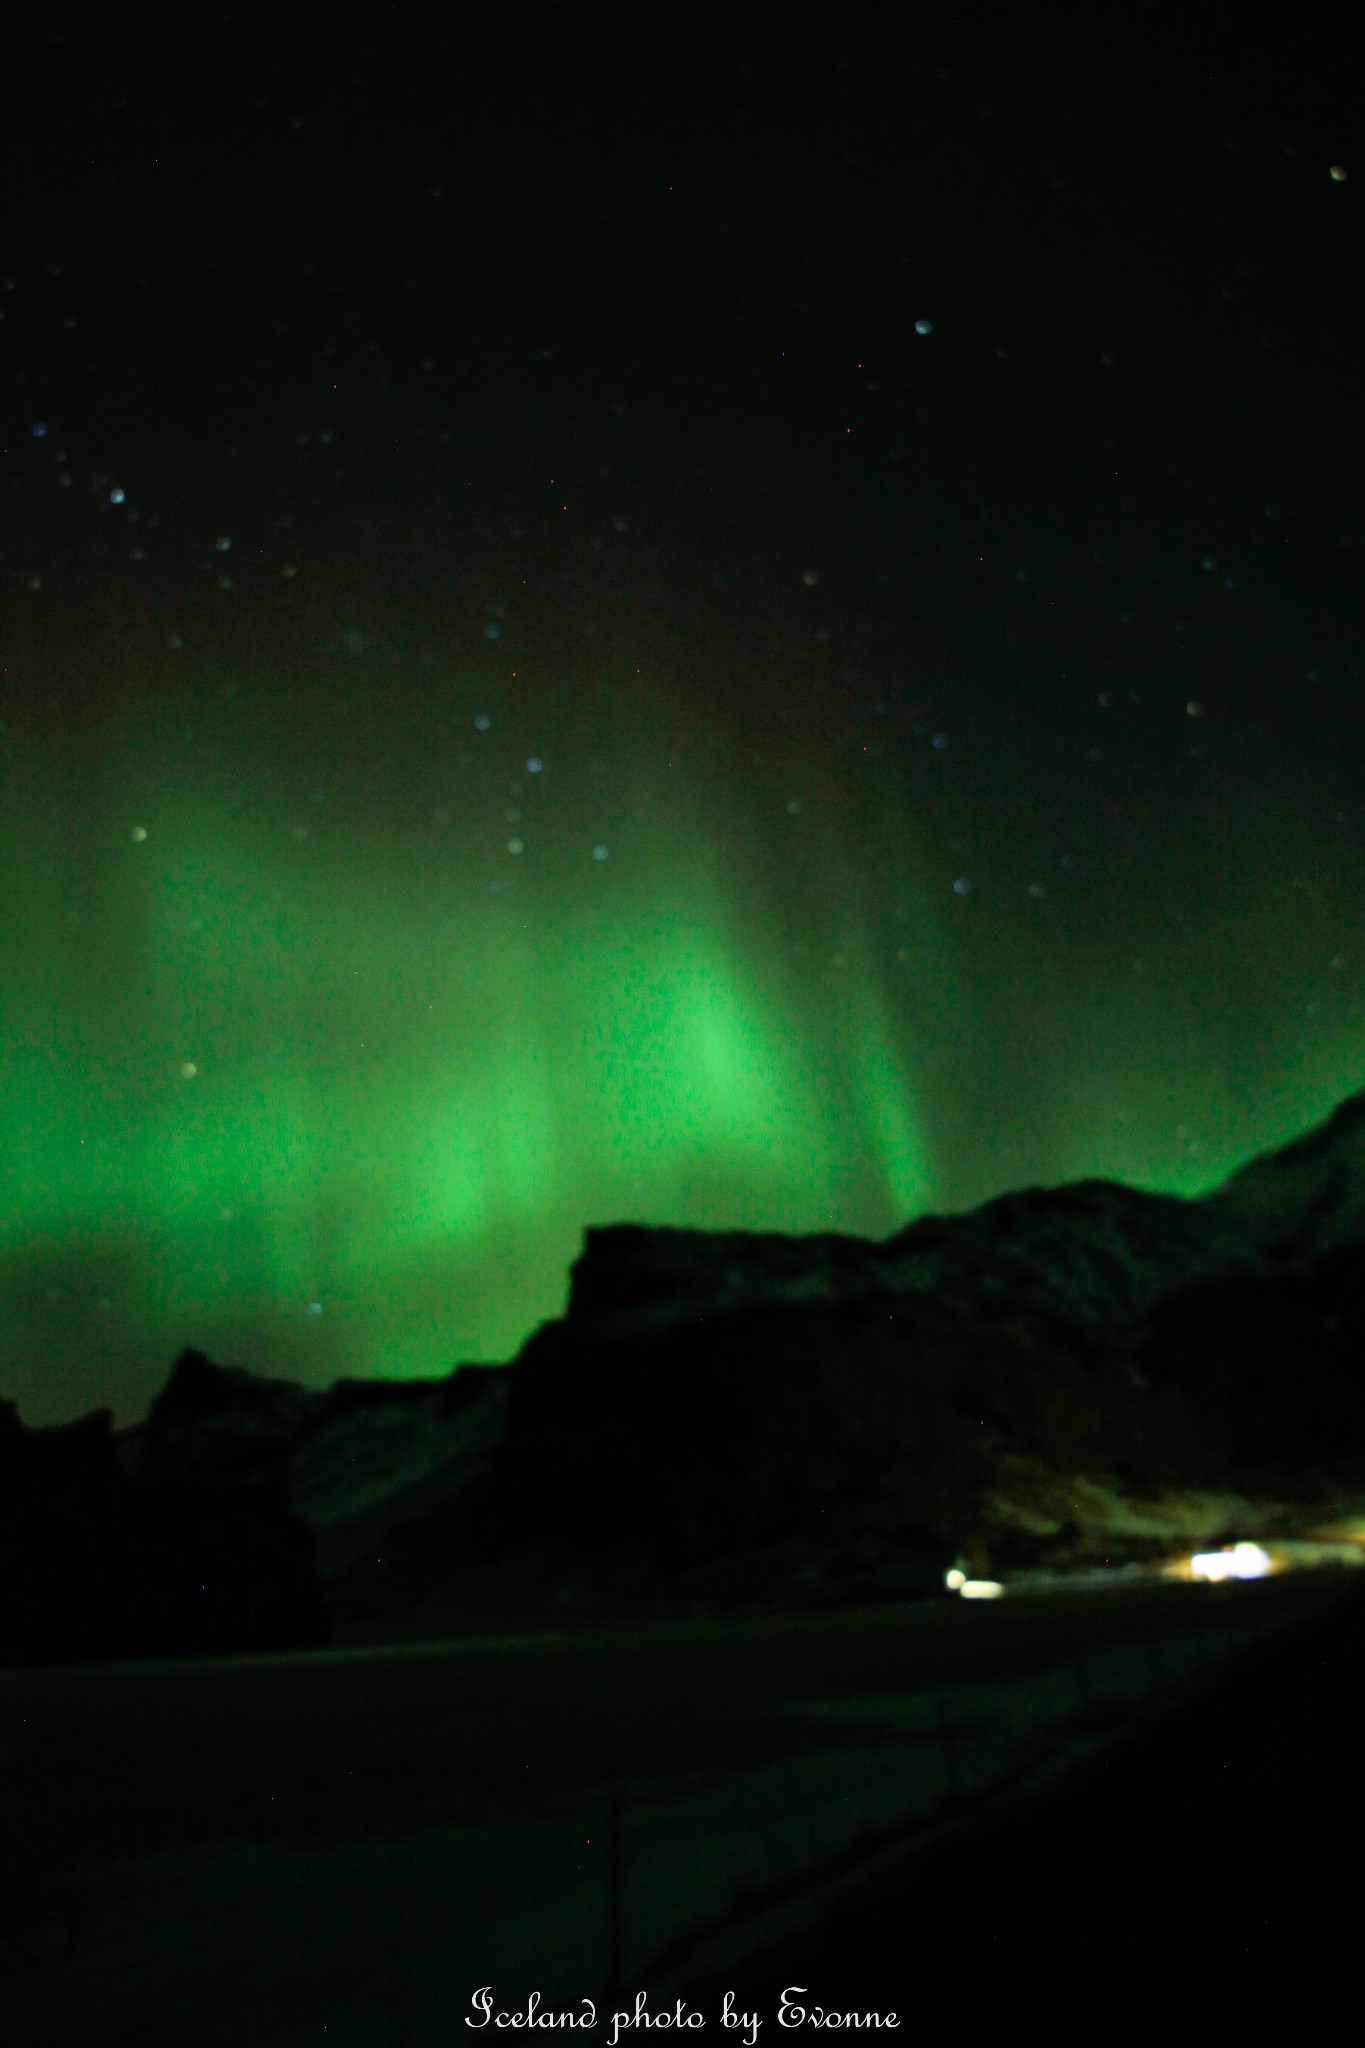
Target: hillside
pixel 1059 1376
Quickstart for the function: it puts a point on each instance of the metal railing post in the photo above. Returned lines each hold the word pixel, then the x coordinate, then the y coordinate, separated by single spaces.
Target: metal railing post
pixel 614 1896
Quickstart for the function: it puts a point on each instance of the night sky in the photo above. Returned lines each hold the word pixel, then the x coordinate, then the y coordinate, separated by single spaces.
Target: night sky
pixel 729 624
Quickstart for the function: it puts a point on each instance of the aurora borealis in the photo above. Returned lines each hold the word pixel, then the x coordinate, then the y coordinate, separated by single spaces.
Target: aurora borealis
pixel 727 635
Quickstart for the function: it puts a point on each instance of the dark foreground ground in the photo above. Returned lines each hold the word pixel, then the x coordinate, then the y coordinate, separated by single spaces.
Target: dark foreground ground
pixel 1209 1870
pixel 336 1850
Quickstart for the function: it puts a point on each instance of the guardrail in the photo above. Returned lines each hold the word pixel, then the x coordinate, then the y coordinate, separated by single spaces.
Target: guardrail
pixel 783 1843
pixel 634 1885
pixel 680 1879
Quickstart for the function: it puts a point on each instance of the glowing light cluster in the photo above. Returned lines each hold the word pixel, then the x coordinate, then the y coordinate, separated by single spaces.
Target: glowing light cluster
pixel 957 1582
pixel 1237 1561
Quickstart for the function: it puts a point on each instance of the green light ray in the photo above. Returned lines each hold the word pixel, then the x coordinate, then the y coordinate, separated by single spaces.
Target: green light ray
pixel 410 1096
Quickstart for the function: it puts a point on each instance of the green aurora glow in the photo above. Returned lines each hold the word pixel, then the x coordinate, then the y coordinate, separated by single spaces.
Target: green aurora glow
pixel 903 494
pixel 410 1095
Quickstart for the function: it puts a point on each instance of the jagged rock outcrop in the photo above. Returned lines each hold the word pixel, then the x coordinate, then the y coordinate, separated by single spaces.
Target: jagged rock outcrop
pixel 738 1394
pixel 1264 1377
pixel 95 1564
pixel 217 1524
pixel 899 1424
pixel 1093 1255
pixel 1066 1373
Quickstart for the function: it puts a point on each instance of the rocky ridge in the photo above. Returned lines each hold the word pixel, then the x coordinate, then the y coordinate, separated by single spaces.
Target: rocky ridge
pixel 1057 1375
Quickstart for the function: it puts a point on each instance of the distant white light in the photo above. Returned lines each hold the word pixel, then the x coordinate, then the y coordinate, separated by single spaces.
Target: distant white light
pixel 315 1308
pixel 924 327
pixel 534 765
pixel 516 846
pixel 39 430
pixel 1194 709
pixel 482 722
pixel 599 853
pixel 955 1580
pixel 962 886
pixel 188 1070
pixel 980 1589
pixel 223 543
pixel 1243 1561
pixel 138 833
pixel 810 577
pixel 116 497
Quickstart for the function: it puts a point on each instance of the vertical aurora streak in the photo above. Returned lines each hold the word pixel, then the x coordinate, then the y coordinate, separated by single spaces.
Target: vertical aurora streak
pixel 772 641
pixel 410 1095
